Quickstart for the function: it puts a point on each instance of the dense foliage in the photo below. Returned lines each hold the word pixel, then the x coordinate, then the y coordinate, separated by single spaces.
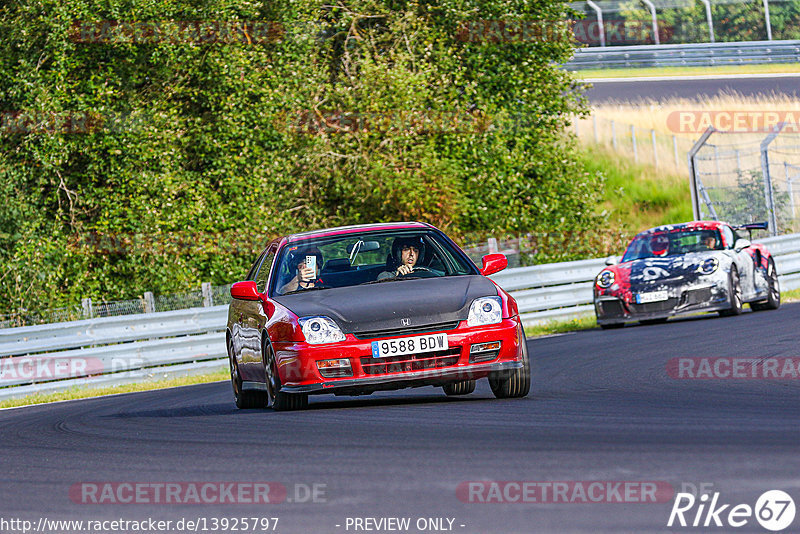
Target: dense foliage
pixel 138 155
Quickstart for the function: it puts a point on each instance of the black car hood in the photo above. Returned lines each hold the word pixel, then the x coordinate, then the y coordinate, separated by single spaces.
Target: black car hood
pixel 668 271
pixel 382 306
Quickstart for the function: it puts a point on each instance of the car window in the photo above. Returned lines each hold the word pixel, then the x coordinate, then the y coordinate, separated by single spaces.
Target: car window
pixel 673 243
pixel 355 259
pixel 251 275
pixel 727 233
pixel 263 272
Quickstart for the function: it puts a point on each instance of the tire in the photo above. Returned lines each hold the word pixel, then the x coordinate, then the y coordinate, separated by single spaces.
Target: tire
pixel 773 301
pixel 245 400
pixel 518 382
pixel 612 326
pixel 465 387
pixel 276 399
pixel 735 294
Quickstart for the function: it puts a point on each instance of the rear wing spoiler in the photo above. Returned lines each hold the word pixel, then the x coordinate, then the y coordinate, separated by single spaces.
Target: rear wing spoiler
pixel 753 226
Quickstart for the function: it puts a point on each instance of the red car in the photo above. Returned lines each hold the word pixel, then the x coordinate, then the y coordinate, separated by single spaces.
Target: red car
pixel 357 309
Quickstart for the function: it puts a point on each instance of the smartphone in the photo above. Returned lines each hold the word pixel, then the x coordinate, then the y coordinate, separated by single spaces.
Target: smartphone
pixel 311 263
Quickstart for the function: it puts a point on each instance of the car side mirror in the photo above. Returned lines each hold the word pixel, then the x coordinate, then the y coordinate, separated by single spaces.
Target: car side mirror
pixel 493 263
pixel 245 290
pixel 741 244
pixel 612 260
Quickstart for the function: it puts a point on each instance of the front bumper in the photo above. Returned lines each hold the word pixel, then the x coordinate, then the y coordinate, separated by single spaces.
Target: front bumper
pixel 299 373
pixel 611 309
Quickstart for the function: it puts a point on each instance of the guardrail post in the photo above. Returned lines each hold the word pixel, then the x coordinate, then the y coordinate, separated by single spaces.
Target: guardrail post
pixel 208 296
pixel 88 311
pixel 149 302
pixel 633 140
pixel 493 249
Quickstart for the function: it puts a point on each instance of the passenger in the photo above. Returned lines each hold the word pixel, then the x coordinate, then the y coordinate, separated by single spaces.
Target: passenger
pixel 306 277
pixel 406 252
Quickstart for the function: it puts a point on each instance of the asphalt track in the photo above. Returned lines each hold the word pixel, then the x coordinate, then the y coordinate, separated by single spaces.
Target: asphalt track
pixel 677 87
pixel 603 409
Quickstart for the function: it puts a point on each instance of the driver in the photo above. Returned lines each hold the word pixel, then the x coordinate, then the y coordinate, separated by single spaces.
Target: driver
pixel 659 245
pixel 306 277
pixel 406 252
pixel 710 241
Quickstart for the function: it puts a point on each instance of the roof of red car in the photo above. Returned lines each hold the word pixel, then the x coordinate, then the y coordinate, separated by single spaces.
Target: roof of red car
pixel 356 229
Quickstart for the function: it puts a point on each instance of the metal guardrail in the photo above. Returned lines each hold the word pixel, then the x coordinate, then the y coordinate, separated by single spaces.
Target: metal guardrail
pixel 117 350
pixel 111 350
pixel 686 55
pixel 564 290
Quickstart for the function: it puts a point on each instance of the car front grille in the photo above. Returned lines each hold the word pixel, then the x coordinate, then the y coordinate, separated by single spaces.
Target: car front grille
pixel 407 331
pixel 611 308
pixel 696 296
pixel 410 362
pixel 655 307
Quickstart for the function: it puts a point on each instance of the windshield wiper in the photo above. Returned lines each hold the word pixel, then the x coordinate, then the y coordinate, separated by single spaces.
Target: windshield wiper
pixel 303 290
pixel 392 279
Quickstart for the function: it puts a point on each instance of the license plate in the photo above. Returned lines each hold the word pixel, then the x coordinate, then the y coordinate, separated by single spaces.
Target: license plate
pixel 409 345
pixel 653 296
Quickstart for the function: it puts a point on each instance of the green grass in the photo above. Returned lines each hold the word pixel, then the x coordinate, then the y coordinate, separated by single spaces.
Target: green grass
pixel 688 71
pixel 86 392
pixel 792 295
pixel 638 197
pixel 583 322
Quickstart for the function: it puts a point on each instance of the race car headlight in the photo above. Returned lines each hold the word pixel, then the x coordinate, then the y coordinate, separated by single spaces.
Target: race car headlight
pixel 485 310
pixel 708 266
pixel 606 279
pixel 320 330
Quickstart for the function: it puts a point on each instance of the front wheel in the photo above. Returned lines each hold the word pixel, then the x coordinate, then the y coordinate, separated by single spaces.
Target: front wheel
pixel 734 294
pixel 518 382
pixel 773 301
pixel 276 399
pixel 465 387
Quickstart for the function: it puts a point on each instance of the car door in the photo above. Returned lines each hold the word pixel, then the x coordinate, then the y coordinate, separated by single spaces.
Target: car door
pixel 251 320
pixel 744 263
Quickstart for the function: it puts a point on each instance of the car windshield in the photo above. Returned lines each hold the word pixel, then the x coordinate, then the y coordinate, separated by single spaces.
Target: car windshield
pixel 365 258
pixel 672 243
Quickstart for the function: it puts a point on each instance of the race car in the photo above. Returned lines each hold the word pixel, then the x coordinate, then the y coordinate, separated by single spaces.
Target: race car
pixel 699 266
pixel 357 309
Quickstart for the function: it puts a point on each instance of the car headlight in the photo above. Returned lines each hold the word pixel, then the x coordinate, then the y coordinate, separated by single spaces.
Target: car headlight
pixel 485 310
pixel 320 330
pixel 606 279
pixel 708 266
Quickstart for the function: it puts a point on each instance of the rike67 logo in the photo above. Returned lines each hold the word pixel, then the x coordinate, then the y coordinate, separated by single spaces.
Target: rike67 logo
pixel 774 510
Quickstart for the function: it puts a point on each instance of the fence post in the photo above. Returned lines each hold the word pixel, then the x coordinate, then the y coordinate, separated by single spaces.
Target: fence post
pixel 768 193
pixel 655 152
pixel 88 311
pixel 149 302
pixel 613 136
pixel 633 140
pixel 675 149
pixel 208 297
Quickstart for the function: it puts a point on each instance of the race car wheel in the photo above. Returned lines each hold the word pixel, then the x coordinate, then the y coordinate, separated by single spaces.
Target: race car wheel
pixel 773 301
pixel 735 294
pixel 244 399
pixel 465 387
pixel 516 384
pixel 276 399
